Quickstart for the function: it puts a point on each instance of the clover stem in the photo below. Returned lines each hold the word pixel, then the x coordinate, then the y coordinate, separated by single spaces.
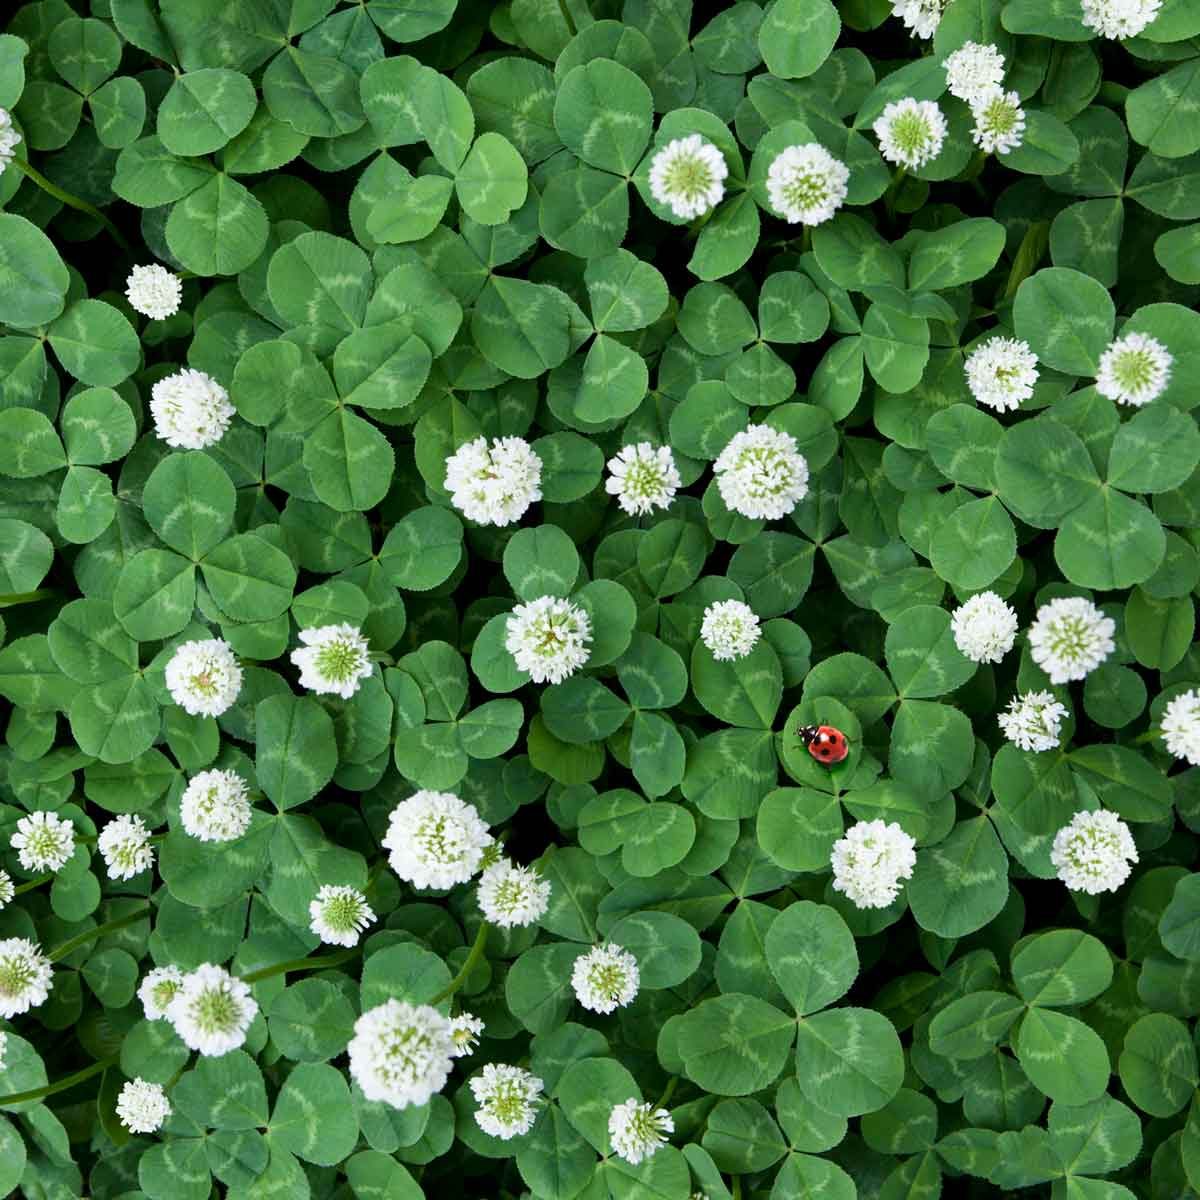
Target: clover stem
pixel 303 964
pixel 90 935
pixel 806 239
pixel 30 884
pixel 668 1092
pixel 468 966
pixel 9 599
pixel 1029 253
pixel 737 1187
pixel 64 197
pixel 1143 738
pixel 889 197
pixel 60 1085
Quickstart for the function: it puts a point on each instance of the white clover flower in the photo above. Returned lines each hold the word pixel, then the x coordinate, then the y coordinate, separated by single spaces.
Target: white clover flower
pixel 212 1010
pixel 548 637
pixel 870 861
pixel 1001 372
pixel 605 978
pixel 158 989
pixel 1181 726
pixel 496 486
pixel 761 473
pixel 1032 721
pixel 204 677
pixel 688 176
pixel 7 891
pixel 1070 637
pixel 999 121
pixel 807 184
pixel 910 132
pixel 124 843
pixel 1094 852
pixel 339 914
pixel 1119 18
pixel 24 976
pixel 154 291
pixel 729 629
pixel 972 69
pixel 1135 369
pixel 44 841
pixel 507 1098
pixel 921 16
pixel 334 660
pixel 436 840
pixel 401 1054
pixel 465 1031
pixel 636 1130
pixel 510 895
pixel 191 410
pixel 215 806
pixel 9 138
pixel 142 1107
pixel 984 628
pixel 643 478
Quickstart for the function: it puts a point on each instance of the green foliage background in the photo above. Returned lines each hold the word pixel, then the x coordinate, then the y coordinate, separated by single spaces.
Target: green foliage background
pixel 406 223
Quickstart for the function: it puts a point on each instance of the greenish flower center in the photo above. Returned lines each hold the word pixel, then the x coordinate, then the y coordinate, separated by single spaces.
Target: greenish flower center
pixel 16 974
pixel 1071 637
pixel 807 190
pixel 342 913
pixel 507 1102
pixel 644 479
pixel 1133 369
pixel 910 131
pixel 1000 117
pixel 689 177
pixel 216 1011
pixel 337 660
pixel 203 683
pixel 607 978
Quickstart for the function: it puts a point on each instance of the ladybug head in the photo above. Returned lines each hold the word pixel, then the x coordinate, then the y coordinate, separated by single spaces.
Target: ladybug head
pixel 807 733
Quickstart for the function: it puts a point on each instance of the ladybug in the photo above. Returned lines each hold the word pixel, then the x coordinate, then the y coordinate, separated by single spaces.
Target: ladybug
pixel 826 744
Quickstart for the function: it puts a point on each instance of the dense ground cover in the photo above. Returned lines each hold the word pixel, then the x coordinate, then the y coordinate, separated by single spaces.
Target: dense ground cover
pixel 598 599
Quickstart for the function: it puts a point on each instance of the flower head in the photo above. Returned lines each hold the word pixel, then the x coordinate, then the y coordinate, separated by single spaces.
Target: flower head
pixel 548 637
pixel 1001 372
pixel 636 1130
pixel 1119 18
pixel 1135 369
pixel 215 806
pixel 870 861
pixel 154 291
pixel 510 895
pixel 643 478
pixel 688 176
pixel 339 914
pixel 921 16
pixel 999 121
pixel 984 628
pixel 124 843
pixel 212 1010
pixel 1032 721
pixel 910 132
pixel 191 410
pixel 204 677
pixel 158 989
pixel 972 69
pixel 43 841
pixel 761 473
pixel 465 1031
pixel 729 629
pixel 142 1107
pixel 807 184
pixel 401 1054
pixel 334 660
pixel 1070 637
pixel 24 976
pixel 9 138
pixel 436 840
pixel 1093 853
pixel 7 891
pixel 605 978
pixel 507 1098
pixel 1181 726
pixel 496 486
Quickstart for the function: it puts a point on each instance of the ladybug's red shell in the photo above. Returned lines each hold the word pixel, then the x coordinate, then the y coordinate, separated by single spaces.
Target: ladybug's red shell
pixel 826 744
